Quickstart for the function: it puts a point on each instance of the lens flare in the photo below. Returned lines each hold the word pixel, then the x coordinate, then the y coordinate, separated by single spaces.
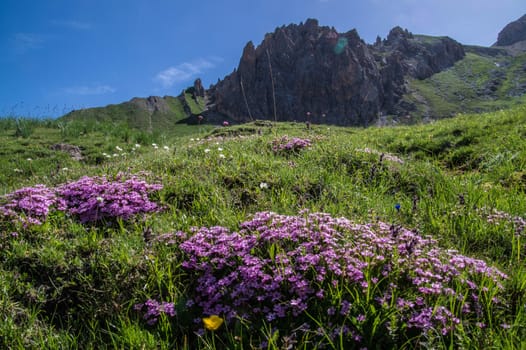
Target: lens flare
pixel 340 45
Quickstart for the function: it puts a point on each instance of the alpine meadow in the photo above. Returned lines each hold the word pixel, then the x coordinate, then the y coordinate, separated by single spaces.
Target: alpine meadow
pixel 389 213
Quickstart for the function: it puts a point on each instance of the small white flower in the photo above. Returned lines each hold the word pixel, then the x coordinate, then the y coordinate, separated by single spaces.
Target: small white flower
pixel 197 139
pixel 192 139
pixel 115 155
pixel 219 149
pixel 29 159
pixel 166 148
pixel 118 148
pixel 137 145
pixel 154 144
pixel 16 170
pixel 100 199
pixel 207 150
pixel 65 169
pixel 263 185
pixel 221 155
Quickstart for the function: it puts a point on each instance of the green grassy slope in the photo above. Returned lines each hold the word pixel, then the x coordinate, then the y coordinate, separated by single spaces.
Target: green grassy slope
pixel 69 285
pixel 27 146
pixel 134 114
pixel 475 84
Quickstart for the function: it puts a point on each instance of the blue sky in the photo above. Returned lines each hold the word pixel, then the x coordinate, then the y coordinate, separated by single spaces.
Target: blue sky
pixel 59 55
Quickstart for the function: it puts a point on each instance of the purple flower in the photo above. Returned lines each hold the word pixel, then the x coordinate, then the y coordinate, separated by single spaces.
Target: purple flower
pixel 283 264
pixel 285 145
pixel 91 199
pixel 345 308
pixel 153 310
pixel 94 199
pixel 30 205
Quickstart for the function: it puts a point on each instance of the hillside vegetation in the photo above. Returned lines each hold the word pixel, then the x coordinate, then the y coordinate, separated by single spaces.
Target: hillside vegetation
pixel 264 235
pixel 148 114
pixel 477 83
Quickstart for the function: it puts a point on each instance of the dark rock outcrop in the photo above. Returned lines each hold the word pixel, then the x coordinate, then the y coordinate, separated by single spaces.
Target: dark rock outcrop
pixel 421 56
pixel 512 33
pixel 307 72
pixel 74 151
pixel 197 90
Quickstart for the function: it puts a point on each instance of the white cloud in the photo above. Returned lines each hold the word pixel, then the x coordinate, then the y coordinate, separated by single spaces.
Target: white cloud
pixel 89 90
pixel 23 42
pixel 72 24
pixel 183 72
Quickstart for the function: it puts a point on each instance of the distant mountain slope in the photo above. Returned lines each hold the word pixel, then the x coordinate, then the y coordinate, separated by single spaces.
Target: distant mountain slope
pixel 151 113
pixel 307 72
pixel 477 83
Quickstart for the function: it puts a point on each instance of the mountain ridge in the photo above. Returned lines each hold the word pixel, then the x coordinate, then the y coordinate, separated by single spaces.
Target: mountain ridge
pixel 308 72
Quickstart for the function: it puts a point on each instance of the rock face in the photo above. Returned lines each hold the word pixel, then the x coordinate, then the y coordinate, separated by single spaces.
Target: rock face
pixel 420 56
pixel 311 73
pixel 512 33
pixel 197 90
pixel 73 151
pixel 151 104
pixel 304 71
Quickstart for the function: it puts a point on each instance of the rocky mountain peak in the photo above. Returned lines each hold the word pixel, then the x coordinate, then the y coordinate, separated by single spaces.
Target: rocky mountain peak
pixel 398 34
pixel 299 71
pixel 311 24
pixel 308 71
pixel 512 33
pixel 198 89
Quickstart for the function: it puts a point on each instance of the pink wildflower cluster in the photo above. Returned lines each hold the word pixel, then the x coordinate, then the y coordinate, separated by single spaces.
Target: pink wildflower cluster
pixel 153 309
pixel 91 199
pixel 30 205
pixel 288 145
pixel 518 223
pixel 284 267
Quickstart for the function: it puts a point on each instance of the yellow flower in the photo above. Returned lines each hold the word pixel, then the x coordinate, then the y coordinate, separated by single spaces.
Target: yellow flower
pixel 213 322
